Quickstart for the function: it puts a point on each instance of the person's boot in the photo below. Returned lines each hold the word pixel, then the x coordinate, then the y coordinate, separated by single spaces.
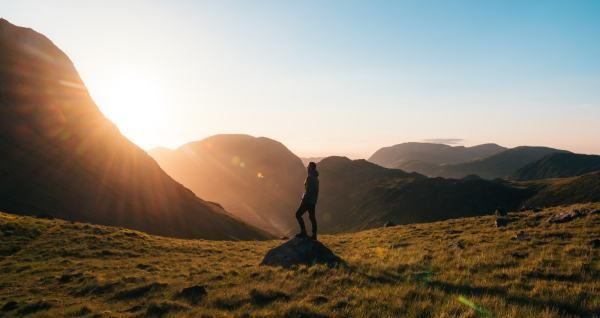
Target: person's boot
pixel 313 237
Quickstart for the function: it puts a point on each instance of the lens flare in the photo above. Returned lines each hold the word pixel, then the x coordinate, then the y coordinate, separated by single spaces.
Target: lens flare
pixel 477 308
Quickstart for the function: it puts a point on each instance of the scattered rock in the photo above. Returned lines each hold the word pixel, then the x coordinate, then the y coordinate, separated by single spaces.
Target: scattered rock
pixel 458 244
pixel 300 251
pixel 319 300
pixel 192 294
pixel 520 236
pixel 564 217
pixel 595 243
pixel 519 255
pixel 500 222
pixel 388 224
pixel 501 212
pixel 265 297
pixel 11 305
pixel 536 210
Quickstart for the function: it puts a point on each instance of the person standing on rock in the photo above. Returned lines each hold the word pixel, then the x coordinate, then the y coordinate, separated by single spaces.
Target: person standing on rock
pixel 309 201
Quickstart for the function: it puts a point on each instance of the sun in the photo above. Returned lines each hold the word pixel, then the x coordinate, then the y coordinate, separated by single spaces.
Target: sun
pixel 135 103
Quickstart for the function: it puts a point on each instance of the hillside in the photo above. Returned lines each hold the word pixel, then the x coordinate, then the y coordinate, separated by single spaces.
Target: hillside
pixel 429 153
pixel 257 179
pixel 62 157
pixel 460 268
pixel 559 165
pixel 357 195
pixel 551 192
pixel 501 165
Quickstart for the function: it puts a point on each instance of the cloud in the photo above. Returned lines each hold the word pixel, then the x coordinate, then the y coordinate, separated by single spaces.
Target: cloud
pixel 446 141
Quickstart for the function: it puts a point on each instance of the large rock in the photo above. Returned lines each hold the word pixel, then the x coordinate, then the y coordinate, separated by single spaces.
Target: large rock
pixel 300 251
pixel 568 216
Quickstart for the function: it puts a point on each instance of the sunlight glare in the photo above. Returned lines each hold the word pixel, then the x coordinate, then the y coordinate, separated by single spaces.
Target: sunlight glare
pixel 136 104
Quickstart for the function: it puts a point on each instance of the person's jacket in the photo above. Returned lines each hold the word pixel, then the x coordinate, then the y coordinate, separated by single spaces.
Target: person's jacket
pixel 311 188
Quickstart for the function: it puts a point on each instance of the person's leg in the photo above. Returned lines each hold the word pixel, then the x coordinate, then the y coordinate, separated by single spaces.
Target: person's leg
pixel 301 210
pixel 313 220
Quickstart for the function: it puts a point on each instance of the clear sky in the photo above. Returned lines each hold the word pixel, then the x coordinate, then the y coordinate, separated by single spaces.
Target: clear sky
pixel 336 77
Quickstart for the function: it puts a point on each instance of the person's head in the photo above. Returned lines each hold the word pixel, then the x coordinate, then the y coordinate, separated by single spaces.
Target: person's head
pixel 312 166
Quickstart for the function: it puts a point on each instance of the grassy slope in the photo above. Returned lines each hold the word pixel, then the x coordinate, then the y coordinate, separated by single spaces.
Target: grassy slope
pixel 58 268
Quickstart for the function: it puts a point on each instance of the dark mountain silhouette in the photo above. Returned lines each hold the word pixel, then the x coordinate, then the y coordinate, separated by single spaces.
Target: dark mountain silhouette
pixel 553 192
pixel 501 165
pixel 358 195
pixel 62 157
pixel 307 160
pixel 257 179
pixel 559 165
pixel 430 154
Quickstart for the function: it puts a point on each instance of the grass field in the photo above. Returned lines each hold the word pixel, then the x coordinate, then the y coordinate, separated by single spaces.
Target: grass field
pixel 457 268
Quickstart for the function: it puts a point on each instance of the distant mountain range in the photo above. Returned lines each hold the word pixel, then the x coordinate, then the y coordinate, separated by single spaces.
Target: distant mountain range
pixel 559 165
pixel 257 179
pixel 412 153
pixel 488 161
pixel 61 157
pixel 357 194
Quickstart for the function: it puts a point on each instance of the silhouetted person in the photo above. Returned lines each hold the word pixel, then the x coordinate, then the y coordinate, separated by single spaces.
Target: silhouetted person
pixel 309 201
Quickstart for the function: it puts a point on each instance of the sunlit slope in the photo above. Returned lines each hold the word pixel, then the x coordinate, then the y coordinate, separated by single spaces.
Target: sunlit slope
pixel 451 268
pixel 61 156
pixel 257 179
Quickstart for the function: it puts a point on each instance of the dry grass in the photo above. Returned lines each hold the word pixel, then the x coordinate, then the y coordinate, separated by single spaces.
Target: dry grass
pixel 457 268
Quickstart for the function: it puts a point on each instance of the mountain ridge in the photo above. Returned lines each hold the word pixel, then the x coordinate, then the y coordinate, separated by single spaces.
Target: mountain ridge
pixel 63 157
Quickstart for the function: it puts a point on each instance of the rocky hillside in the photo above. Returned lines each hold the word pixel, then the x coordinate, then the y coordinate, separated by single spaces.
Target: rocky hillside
pixel 62 157
pixel 257 179
pixel 466 267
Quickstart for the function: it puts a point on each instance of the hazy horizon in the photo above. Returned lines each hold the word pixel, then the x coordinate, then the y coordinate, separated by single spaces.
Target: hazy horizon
pixel 335 78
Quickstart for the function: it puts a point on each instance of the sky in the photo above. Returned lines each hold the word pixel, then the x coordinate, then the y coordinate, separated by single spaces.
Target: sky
pixel 335 77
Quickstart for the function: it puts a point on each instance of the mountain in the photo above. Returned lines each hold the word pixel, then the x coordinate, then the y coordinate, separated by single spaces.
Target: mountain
pixel 62 157
pixel 307 160
pixel 357 194
pixel 431 154
pixel 501 165
pixel 259 180
pixel 560 191
pixel 467 267
pixel 559 165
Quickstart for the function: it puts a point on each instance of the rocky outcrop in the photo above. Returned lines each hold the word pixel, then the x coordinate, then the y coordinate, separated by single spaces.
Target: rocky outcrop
pixel 300 251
